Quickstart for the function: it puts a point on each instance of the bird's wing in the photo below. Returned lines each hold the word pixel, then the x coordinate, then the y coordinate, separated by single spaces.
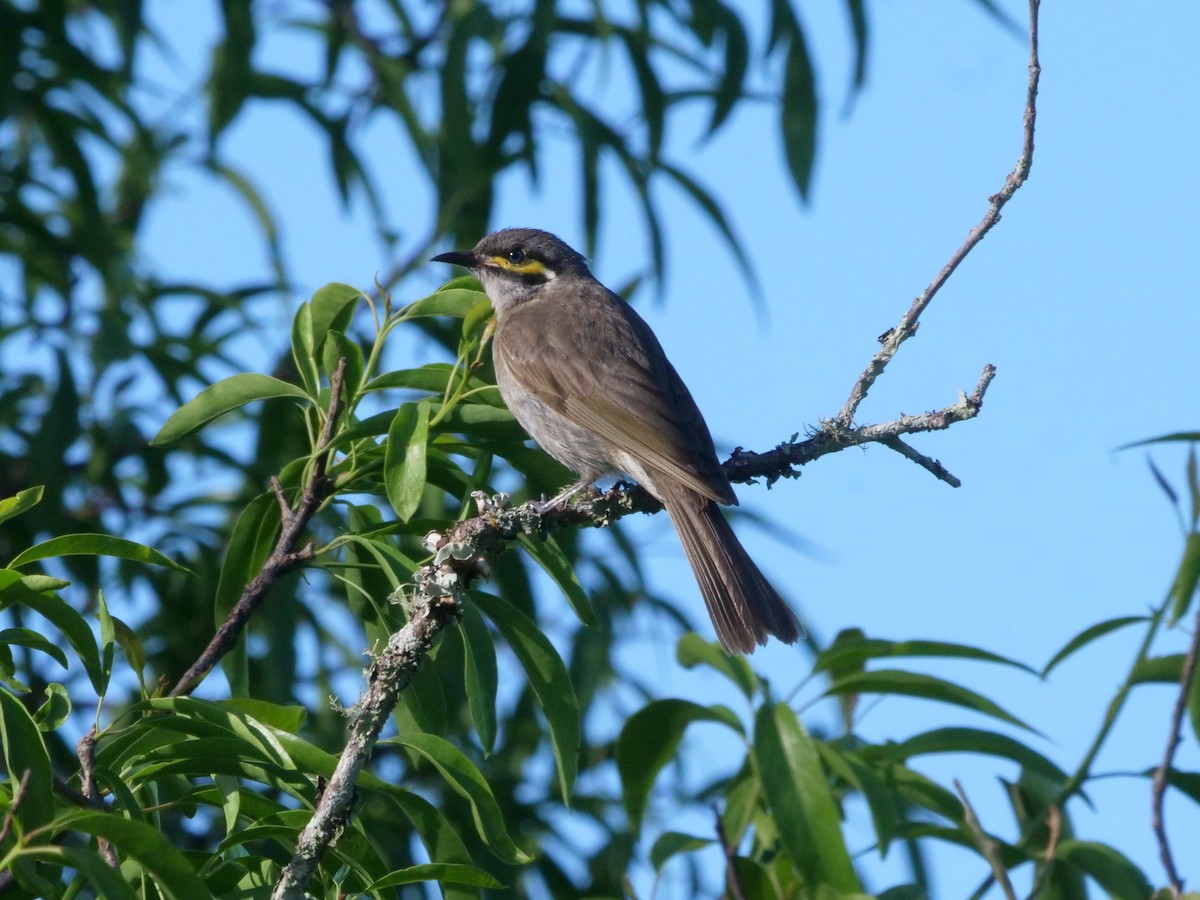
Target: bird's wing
pixel 607 373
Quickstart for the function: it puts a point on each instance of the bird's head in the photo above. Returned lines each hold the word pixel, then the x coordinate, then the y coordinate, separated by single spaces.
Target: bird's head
pixel 515 264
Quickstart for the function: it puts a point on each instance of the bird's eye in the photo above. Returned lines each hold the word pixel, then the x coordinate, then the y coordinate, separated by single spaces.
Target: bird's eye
pixel 516 256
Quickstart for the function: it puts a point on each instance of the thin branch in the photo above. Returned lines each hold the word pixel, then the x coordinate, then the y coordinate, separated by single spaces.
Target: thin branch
pixel 86 751
pixel 986 845
pixel 284 557
pixel 432 604
pixel 11 815
pixel 1163 772
pixel 732 884
pixel 1054 827
pixel 891 340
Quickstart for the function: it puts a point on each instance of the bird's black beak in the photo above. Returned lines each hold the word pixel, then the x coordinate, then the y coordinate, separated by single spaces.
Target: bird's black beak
pixel 458 258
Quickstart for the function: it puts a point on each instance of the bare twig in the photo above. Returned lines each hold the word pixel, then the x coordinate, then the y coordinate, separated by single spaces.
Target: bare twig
pixel 986 845
pixel 284 557
pixel 1054 827
pixel 1163 772
pixel 732 884
pixel 891 340
pixel 86 751
pixel 18 795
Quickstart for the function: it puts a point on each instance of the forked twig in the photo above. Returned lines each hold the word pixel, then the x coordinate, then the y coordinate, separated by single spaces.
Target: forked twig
pixel 284 557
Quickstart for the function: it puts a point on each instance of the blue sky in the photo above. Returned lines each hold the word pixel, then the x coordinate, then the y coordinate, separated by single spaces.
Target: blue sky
pixel 1084 298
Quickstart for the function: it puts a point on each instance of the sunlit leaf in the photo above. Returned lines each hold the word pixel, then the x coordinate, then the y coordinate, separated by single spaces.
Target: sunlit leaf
pixel 95 545
pixel 20 502
pixel 405 465
pixel 468 782
pixel 25 751
pixel 799 796
pixel 224 396
pixel 548 678
pixel 1085 637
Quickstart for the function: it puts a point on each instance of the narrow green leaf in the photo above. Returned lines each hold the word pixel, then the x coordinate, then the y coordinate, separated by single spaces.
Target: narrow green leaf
pixel 672 843
pixel 332 309
pixel 880 795
pixel 693 650
pixel 338 347
pixel 853 652
pixel 95 545
pixel 51 715
pixel 799 796
pixel 798 111
pixel 304 349
pixel 649 741
pixel 224 396
pixel 1186 578
pixel 444 873
pixel 915 684
pixel 405 466
pixel 1107 866
pixel 253 538
pixel 15 589
pixel 20 502
pixel 456 302
pixel 978 740
pixel 108 882
pixel 433 377
pixel 108 640
pixel 468 782
pixel 1177 437
pixel 547 554
pixel 548 678
pixel 480 675
pixel 147 845
pixel 26 637
pixel 1085 637
pixel 1158 670
pixel 25 751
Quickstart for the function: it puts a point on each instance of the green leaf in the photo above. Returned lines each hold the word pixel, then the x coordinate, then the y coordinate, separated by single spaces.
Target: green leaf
pixel 1085 637
pixel 798 111
pixel 20 502
pixel 147 845
pixel 693 650
pixel 1186 578
pixel 978 740
pixel 444 873
pixel 224 396
pixel 455 302
pixel 881 796
pixel 1109 867
pixel 853 652
pixel 332 310
pixel 24 590
pixel 649 741
pixel 480 675
pixel 1177 437
pixel 468 782
pixel 25 751
pixel 55 711
pixel 548 678
pixel 554 563
pixel 108 882
pixel 304 349
pixel 799 797
pixel 253 538
pixel 26 637
pixel 672 843
pixel 915 684
pixel 95 545
pixel 1158 670
pixel 405 466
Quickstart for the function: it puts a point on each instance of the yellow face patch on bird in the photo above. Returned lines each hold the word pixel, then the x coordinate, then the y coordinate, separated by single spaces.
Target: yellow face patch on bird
pixel 522 266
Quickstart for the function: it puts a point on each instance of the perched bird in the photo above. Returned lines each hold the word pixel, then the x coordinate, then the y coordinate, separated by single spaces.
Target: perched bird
pixel 587 378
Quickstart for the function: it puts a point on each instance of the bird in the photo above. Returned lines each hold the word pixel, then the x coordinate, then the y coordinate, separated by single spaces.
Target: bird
pixel 586 377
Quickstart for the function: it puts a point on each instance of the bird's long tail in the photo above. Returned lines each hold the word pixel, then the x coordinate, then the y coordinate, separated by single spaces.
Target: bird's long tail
pixel 744 608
